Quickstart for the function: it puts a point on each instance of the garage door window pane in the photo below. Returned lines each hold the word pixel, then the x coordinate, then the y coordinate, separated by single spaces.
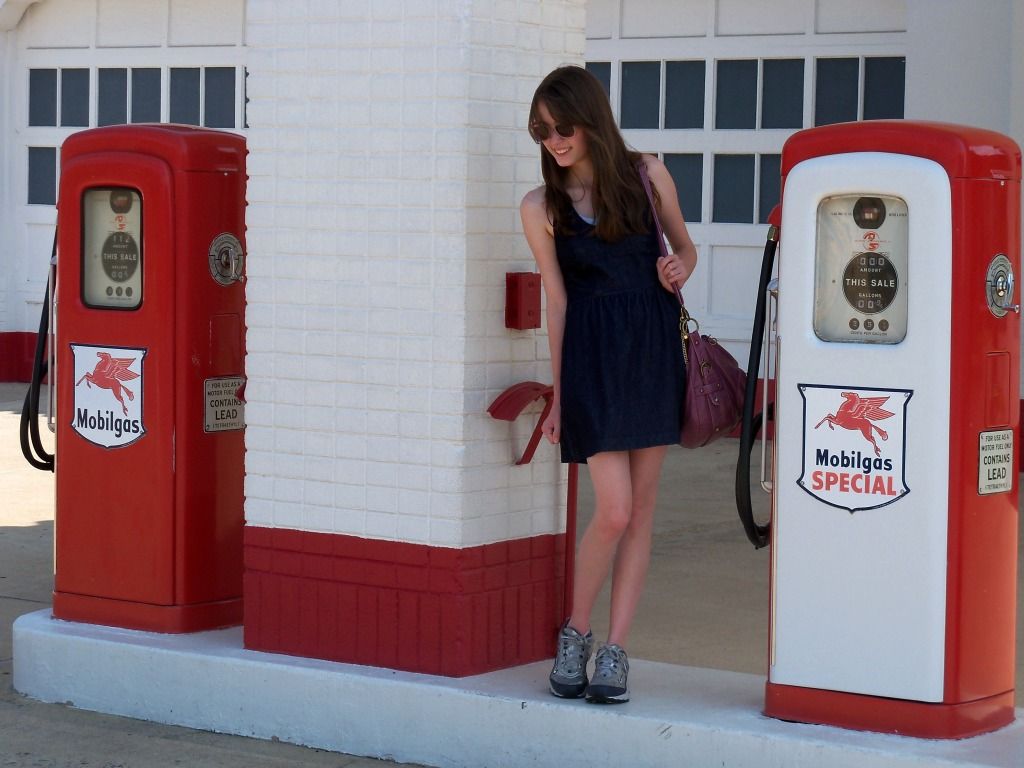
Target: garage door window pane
pixel 835 91
pixel 74 97
pixel 641 94
pixel 42 97
pixel 185 95
pixel 768 188
pixel 602 70
pixel 884 83
pixel 736 94
pixel 782 94
pixel 684 94
pixel 42 176
pixel 688 174
pixel 219 97
pixel 146 95
pixel 733 189
pixel 112 108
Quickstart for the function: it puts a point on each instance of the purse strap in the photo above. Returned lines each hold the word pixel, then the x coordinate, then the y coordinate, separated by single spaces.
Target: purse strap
pixel 642 168
pixel 684 316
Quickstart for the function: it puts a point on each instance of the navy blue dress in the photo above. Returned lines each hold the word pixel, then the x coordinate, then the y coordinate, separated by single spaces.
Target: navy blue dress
pixel 623 375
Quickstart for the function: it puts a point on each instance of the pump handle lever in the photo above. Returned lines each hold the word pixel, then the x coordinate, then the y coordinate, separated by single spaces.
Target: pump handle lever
pixel 750 423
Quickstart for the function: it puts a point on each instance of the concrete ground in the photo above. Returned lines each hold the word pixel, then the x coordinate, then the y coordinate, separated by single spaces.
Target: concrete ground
pixel 705 606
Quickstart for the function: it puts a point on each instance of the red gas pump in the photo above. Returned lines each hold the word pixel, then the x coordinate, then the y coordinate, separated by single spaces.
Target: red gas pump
pixel 150 366
pixel 894 464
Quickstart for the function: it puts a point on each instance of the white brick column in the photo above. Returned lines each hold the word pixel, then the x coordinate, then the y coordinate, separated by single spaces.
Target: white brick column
pixel 388 154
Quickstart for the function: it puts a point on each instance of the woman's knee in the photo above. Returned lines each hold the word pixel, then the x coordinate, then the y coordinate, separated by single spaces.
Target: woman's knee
pixel 613 519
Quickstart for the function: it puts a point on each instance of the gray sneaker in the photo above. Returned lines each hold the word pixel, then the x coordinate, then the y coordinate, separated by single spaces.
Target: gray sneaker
pixel 611 666
pixel 568 677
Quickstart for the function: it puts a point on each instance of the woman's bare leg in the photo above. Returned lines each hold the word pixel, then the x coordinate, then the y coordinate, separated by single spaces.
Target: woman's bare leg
pixel 610 475
pixel 633 554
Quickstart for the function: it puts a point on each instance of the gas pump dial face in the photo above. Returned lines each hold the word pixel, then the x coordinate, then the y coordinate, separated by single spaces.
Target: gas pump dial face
pixel 870 283
pixel 861 262
pixel 120 256
pixel 112 248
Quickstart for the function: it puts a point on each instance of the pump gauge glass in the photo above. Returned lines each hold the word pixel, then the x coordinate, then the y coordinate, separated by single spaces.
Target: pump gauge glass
pixel 112 248
pixel 861 269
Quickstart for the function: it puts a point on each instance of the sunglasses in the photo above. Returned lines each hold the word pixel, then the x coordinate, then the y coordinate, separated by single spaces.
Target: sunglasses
pixel 542 131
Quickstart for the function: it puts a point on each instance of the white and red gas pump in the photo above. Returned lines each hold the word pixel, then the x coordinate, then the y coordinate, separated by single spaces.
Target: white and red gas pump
pixel 149 351
pixel 894 469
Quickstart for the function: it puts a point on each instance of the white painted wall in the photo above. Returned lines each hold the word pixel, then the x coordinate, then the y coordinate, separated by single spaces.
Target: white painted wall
pixel 388 156
pixel 959 61
pixel 1017 73
pixel 7 258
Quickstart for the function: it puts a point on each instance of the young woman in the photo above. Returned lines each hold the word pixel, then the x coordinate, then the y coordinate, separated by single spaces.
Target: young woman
pixel 616 358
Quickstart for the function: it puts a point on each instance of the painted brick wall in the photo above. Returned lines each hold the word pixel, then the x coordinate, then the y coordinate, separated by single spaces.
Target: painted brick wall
pixel 437 610
pixel 388 154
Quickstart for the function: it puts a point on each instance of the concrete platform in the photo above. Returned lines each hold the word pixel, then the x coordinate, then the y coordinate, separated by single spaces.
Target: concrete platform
pixel 684 717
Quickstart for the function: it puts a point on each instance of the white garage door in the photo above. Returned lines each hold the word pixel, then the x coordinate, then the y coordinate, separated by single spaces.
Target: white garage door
pixel 77 64
pixel 715 87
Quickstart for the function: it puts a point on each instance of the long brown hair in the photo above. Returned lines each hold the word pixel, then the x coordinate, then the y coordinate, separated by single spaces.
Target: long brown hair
pixel 574 96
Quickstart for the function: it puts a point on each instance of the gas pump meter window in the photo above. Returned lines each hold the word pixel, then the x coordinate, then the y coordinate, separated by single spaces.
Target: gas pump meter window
pixel 112 248
pixel 860 286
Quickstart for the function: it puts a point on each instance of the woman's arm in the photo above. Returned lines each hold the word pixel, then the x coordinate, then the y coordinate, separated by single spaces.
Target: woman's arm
pixel 541 239
pixel 675 270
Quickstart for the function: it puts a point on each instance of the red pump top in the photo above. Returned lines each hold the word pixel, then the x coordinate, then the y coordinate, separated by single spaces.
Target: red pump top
pixel 965 152
pixel 185 147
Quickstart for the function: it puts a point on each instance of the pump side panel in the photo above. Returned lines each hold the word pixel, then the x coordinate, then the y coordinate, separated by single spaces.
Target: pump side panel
pixel 985 386
pixel 210 324
pixel 859 598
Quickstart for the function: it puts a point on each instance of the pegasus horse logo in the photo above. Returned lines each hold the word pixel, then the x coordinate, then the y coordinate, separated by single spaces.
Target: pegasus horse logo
pixel 109 373
pixel 860 413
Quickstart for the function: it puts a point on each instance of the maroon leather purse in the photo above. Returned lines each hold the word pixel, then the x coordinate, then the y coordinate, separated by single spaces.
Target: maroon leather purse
pixel 715 383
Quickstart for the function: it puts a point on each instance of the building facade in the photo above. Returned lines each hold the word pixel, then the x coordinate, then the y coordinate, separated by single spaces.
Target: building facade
pixel 388 154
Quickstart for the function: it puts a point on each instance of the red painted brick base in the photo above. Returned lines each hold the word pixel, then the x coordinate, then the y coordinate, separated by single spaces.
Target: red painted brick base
pixel 436 610
pixel 17 349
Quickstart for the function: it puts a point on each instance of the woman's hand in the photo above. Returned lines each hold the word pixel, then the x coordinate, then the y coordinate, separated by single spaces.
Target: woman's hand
pixel 672 272
pixel 680 264
pixel 552 426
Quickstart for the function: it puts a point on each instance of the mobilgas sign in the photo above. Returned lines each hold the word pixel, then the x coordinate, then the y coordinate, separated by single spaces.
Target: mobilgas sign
pixel 107 406
pixel 854 445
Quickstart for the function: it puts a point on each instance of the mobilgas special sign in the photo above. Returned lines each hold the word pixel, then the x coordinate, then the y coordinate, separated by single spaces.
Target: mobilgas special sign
pixel 854 445
pixel 107 405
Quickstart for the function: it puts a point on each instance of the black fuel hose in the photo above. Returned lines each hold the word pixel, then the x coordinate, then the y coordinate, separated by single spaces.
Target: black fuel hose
pixel 29 428
pixel 751 423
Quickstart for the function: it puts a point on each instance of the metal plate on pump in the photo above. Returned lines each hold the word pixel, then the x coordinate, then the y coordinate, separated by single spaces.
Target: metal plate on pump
pixel 854 445
pixel 861 258
pixel 227 260
pixel 112 248
pixel 995 461
pixel 109 384
pixel 999 283
pixel 225 410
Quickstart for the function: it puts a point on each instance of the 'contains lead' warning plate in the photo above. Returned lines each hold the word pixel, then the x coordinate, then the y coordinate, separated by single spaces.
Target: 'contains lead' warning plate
pixel 995 461
pixel 224 410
